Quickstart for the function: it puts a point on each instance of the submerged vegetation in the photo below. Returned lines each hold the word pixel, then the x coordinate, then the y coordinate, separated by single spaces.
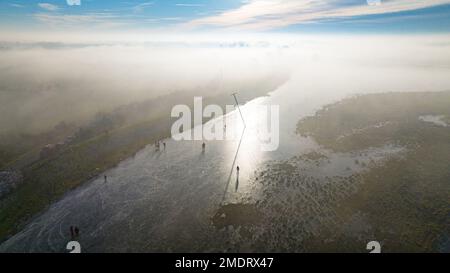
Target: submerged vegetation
pixel 374 120
pixel 405 200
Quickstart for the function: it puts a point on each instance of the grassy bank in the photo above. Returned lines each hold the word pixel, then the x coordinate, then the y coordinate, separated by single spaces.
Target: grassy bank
pixel 47 180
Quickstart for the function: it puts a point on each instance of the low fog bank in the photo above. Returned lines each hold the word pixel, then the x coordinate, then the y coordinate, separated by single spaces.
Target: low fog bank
pixel 44 83
pixel 40 87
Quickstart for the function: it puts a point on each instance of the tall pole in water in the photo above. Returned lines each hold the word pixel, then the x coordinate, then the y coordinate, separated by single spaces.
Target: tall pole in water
pixel 237 104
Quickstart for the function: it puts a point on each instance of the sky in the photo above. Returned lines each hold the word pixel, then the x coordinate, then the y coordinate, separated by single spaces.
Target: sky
pixel 309 16
pixel 66 60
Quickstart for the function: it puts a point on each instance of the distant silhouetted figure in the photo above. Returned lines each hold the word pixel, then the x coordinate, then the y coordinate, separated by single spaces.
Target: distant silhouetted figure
pixel 237 178
pixel 106 179
pixel 203 146
pixel 164 144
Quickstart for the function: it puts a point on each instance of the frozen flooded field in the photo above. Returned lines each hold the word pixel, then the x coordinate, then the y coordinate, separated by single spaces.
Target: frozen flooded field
pixel 183 199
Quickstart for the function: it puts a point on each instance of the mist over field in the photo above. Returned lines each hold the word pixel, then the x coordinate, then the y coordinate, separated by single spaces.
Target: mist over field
pixel 44 82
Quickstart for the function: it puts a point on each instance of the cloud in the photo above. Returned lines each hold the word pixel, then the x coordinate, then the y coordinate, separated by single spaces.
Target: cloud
pixel 272 14
pixel 74 2
pixel 48 6
pixel 16 5
pixel 99 20
pixel 188 5
pixel 142 6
